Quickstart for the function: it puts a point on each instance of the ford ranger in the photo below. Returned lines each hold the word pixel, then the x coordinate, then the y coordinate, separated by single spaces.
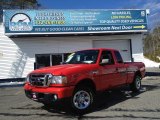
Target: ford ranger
pixel 82 75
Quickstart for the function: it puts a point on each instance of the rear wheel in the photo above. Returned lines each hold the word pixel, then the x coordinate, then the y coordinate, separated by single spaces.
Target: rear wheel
pixel 82 100
pixel 136 85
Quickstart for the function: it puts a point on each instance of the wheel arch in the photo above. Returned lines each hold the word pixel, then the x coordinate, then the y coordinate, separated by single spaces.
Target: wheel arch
pixel 138 73
pixel 87 82
pixel 136 84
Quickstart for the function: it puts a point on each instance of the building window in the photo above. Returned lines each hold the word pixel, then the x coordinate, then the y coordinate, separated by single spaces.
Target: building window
pixel 45 60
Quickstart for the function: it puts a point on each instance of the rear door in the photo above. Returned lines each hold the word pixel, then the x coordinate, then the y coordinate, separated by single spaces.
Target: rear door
pixel 121 69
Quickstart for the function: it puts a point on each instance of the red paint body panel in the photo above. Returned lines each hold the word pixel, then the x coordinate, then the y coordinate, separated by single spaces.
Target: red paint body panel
pixel 103 76
pixel 61 92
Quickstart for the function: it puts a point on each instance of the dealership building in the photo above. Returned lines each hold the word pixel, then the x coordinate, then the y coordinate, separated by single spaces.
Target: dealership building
pixel 31 39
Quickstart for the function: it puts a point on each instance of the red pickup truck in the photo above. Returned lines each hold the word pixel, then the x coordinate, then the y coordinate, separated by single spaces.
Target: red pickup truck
pixel 82 75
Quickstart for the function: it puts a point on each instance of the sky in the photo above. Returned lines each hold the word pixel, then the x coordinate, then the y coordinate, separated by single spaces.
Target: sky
pixel 153 5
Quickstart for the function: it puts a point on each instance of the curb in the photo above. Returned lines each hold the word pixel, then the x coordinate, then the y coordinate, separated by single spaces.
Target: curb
pixel 14 82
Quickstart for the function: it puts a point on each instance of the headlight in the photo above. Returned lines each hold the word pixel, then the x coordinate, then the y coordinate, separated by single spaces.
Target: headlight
pixel 59 80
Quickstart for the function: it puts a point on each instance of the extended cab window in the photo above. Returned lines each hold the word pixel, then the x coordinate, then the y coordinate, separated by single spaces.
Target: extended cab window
pixel 118 57
pixel 107 58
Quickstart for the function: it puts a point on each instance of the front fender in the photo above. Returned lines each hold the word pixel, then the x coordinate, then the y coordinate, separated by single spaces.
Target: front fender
pixel 76 78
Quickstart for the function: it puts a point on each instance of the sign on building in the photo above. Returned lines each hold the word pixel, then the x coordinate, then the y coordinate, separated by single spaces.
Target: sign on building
pixel 19 22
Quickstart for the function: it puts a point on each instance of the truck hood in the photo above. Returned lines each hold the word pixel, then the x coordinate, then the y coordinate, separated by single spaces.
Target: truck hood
pixel 65 69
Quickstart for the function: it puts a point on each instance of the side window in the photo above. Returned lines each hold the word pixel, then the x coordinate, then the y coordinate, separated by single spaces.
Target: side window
pixel 107 58
pixel 118 57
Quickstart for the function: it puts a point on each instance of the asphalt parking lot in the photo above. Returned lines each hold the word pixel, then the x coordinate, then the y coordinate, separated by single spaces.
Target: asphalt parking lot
pixel 119 104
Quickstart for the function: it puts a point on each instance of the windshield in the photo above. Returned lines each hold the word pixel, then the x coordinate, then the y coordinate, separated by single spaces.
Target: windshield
pixel 83 57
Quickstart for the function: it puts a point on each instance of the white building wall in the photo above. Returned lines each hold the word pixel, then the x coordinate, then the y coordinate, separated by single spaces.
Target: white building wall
pixel 11 57
pixel 137 48
pixel 41 45
pixel 17 55
pixel 136 44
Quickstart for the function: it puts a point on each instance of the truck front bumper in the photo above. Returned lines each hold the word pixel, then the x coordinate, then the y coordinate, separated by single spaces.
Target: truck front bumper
pixel 48 94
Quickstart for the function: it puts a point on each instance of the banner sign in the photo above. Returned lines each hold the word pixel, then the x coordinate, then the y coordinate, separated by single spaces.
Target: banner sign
pixel 19 22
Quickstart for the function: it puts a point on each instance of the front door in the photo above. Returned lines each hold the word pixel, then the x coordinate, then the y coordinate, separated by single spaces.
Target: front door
pixel 108 70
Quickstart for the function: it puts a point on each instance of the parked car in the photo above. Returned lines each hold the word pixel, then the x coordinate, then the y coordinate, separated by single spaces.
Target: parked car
pixel 83 74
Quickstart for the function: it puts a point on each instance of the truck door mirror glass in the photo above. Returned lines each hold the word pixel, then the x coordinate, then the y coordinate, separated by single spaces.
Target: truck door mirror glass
pixel 104 61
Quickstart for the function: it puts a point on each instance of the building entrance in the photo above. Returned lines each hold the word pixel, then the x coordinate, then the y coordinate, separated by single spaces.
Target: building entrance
pixel 45 60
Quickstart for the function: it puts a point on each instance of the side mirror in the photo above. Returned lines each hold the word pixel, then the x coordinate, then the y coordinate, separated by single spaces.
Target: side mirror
pixel 104 62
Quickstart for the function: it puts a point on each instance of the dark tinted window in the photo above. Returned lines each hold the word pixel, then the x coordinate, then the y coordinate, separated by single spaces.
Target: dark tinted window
pixel 107 58
pixel 42 61
pixel 118 57
pixel 45 60
pixel 56 59
pixel 66 56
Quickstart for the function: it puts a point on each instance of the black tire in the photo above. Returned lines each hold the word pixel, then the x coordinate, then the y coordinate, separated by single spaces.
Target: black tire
pixel 82 99
pixel 136 84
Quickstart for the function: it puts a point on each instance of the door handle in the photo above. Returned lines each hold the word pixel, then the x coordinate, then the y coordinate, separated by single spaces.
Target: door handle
pixel 119 70
pixel 95 72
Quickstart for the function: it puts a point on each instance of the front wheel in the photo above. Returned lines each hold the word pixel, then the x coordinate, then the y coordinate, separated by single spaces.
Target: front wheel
pixel 82 100
pixel 136 85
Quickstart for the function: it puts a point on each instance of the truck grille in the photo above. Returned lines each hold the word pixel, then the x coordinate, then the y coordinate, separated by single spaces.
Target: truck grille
pixel 40 79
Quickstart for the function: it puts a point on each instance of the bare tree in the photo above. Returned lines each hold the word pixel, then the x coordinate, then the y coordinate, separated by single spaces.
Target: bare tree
pixel 17 4
pixel 152 44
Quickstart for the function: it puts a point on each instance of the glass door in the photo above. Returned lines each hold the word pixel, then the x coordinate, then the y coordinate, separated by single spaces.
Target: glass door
pixel 56 59
pixel 42 61
pixel 45 60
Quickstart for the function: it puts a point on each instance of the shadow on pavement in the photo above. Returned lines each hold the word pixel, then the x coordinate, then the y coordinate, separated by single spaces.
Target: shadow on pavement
pixel 152 73
pixel 104 101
